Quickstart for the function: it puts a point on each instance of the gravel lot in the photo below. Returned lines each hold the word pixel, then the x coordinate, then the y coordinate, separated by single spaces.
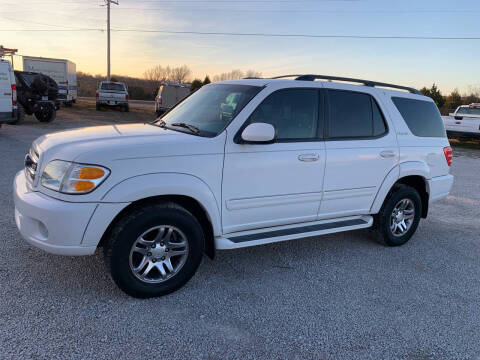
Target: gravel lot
pixel 334 297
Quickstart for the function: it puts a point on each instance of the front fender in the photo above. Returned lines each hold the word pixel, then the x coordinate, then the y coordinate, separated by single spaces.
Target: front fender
pixel 150 185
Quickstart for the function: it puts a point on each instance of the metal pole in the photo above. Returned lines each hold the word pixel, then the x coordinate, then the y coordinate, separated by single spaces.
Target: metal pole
pixel 108 40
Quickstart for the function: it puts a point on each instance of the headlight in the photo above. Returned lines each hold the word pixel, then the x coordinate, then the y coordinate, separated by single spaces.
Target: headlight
pixel 72 178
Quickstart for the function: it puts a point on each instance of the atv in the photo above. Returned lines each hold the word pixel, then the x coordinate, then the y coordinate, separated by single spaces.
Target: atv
pixel 37 94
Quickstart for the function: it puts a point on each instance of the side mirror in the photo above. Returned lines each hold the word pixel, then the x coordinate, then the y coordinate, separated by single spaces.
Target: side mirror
pixel 259 133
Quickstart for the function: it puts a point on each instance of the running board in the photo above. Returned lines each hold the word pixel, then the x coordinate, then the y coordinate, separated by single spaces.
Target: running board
pixel 289 232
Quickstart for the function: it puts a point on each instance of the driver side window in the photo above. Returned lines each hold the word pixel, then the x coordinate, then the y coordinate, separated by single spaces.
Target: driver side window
pixel 293 113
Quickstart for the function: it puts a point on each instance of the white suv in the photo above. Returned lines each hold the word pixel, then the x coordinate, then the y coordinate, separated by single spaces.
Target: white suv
pixel 236 164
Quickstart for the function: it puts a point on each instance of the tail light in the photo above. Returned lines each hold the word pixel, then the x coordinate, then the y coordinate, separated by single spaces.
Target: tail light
pixel 14 94
pixel 96 94
pixel 448 155
pixel 159 100
pixel 126 97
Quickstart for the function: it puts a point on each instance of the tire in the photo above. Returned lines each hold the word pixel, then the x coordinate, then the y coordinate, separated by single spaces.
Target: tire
pixel 98 107
pixel 382 227
pixel 126 108
pixel 69 104
pixel 20 115
pixel 46 115
pixel 135 226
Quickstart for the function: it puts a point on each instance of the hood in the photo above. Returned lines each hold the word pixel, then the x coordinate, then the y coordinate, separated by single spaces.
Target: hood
pixel 106 143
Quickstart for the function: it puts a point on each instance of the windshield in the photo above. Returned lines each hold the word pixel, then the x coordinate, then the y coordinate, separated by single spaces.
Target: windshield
pixel 468 111
pixel 211 108
pixel 113 87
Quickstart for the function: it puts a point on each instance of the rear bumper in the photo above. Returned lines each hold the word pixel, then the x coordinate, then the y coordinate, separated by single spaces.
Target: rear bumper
pixel 461 134
pixel 8 117
pixel 112 102
pixel 439 187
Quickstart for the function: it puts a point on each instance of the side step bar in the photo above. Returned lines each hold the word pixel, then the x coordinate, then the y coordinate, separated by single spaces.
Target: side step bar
pixel 290 232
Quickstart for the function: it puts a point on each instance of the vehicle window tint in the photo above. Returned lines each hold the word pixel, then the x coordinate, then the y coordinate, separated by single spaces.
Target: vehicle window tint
pixel 354 115
pixel 293 113
pixel 422 117
pixel 112 87
pixel 469 111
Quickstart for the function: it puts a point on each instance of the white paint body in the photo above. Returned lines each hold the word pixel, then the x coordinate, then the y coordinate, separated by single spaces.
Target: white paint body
pixel 7 79
pixel 64 72
pixel 112 97
pixel 244 188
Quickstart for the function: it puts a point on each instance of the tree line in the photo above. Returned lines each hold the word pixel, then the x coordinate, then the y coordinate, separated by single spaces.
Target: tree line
pixel 450 102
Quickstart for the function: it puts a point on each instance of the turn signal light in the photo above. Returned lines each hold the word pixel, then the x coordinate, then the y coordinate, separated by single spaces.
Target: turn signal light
pixel 90 173
pixel 448 154
pixel 84 185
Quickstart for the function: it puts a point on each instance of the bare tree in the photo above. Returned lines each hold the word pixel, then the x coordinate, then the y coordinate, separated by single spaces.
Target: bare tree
pixel 181 74
pixel 236 74
pixel 158 74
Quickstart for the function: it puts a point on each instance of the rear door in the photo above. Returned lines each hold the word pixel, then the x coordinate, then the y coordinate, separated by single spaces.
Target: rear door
pixel 5 88
pixel 361 149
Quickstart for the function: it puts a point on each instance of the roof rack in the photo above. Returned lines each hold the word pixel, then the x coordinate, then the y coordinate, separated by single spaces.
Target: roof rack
pixel 360 81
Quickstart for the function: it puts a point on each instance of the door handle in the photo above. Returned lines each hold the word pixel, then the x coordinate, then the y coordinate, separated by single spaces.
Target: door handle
pixel 457 122
pixel 308 157
pixel 387 154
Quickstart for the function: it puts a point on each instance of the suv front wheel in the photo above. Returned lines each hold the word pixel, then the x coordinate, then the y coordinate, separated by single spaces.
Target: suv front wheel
pixel 154 250
pixel 399 216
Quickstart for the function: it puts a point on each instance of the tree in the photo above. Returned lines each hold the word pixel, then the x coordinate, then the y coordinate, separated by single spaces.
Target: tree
pixel 435 94
pixel 454 100
pixel 206 80
pixel 158 74
pixel 195 85
pixel 181 74
pixel 253 74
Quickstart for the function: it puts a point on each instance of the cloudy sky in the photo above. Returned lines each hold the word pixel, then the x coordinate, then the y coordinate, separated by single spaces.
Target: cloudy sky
pixel 73 30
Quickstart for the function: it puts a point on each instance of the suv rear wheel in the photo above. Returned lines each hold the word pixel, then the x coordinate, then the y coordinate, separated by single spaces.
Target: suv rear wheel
pixel 154 250
pixel 399 216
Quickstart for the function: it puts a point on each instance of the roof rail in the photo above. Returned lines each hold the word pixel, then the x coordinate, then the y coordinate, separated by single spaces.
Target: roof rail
pixel 360 81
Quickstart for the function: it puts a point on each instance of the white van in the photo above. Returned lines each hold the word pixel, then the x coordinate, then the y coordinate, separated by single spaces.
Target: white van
pixel 8 93
pixel 64 72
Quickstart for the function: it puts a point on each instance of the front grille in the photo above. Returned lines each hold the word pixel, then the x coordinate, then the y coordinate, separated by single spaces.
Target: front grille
pixel 31 161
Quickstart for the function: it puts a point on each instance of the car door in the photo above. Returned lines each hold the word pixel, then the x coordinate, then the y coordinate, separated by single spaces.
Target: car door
pixel 5 89
pixel 281 183
pixel 361 149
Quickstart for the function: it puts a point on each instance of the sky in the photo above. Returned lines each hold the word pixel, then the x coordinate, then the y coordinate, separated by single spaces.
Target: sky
pixel 74 30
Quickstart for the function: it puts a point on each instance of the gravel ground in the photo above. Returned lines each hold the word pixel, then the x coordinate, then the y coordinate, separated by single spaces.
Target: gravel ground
pixel 333 297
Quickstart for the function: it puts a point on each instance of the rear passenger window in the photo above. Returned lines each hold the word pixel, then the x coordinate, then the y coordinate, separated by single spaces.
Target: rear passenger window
pixel 354 115
pixel 293 113
pixel 422 117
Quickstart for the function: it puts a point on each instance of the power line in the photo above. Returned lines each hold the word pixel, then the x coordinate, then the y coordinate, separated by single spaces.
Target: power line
pixel 330 36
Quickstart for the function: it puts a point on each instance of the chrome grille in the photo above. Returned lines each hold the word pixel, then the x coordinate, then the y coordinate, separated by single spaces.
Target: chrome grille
pixel 31 161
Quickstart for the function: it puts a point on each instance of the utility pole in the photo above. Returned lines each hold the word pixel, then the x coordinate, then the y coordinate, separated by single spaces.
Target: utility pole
pixel 108 35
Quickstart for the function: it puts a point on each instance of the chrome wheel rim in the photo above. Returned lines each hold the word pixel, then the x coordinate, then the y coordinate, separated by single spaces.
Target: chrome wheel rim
pixel 158 254
pixel 402 217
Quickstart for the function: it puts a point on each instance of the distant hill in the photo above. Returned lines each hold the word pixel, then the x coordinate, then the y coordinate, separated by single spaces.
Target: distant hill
pixel 138 89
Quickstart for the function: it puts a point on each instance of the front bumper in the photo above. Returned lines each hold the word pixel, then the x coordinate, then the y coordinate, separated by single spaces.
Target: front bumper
pixel 439 187
pixel 50 224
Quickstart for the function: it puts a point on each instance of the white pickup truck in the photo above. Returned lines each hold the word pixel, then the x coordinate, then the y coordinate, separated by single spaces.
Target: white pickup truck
pixel 112 94
pixel 464 122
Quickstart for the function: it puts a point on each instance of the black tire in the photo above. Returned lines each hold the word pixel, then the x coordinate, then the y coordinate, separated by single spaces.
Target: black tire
pixel 46 115
pixel 20 115
pixel 68 104
pixel 128 229
pixel 126 108
pixel 381 226
pixel 98 107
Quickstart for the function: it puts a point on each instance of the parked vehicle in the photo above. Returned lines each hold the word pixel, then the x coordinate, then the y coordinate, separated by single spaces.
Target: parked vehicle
pixel 464 122
pixel 236 164
pixel 170 95
pixel 37 94
pixel 64 72
pixel 8 94
pixel 112 94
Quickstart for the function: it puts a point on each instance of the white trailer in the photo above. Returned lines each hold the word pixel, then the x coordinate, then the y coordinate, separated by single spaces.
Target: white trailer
pixel 64 72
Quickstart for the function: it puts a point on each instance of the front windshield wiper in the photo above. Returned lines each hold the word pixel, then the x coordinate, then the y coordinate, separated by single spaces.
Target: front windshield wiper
pixel 192 128
pixel 158 123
